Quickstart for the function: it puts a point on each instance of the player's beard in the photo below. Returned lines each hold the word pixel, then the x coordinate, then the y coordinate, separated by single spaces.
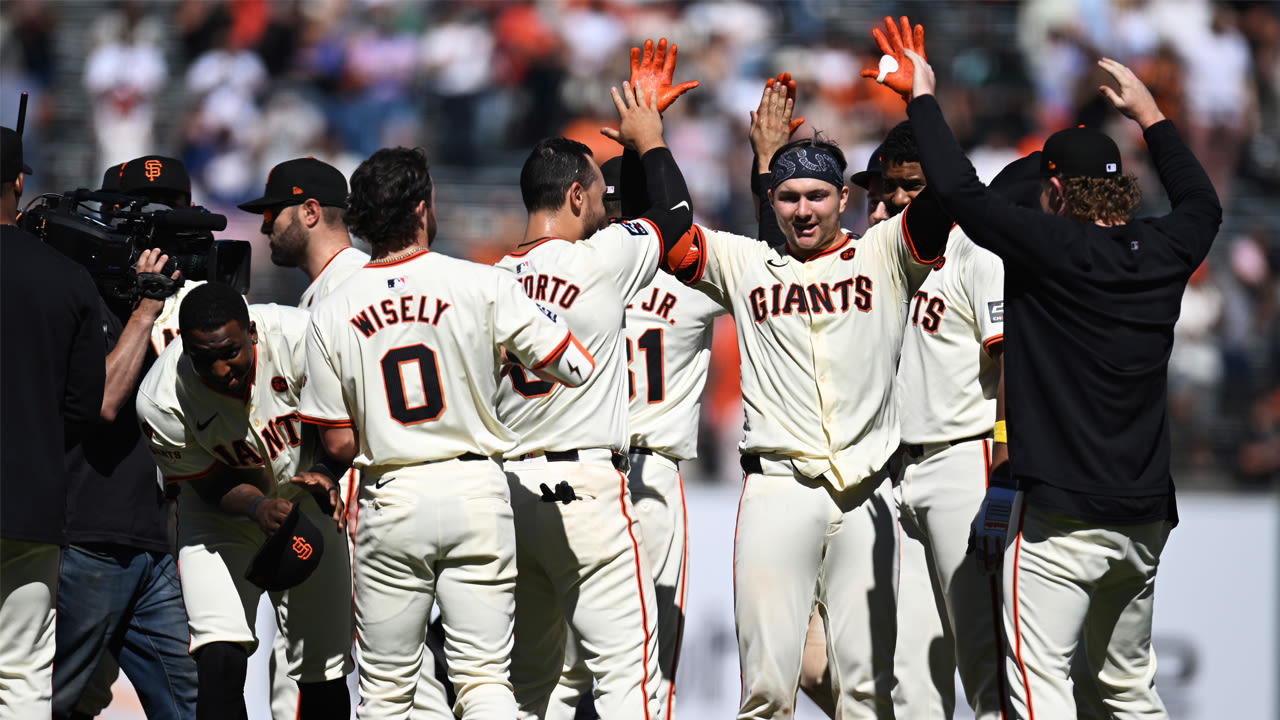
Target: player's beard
pixel 289 246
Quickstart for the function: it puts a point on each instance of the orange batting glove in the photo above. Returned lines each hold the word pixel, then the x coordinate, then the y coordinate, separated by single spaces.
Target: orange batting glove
pixel 896 69
pixel 653 70
pixel 785 79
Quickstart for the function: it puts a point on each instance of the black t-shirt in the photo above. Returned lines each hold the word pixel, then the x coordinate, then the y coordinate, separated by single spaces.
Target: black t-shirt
pixel 1088 327
pixel 52 366
pixel 114 495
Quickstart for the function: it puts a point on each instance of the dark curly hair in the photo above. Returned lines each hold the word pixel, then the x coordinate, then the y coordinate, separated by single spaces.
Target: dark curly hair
pixel 820 141
pixel 385 190
pixel 1111 200
pixel 899 146
pixel 553 166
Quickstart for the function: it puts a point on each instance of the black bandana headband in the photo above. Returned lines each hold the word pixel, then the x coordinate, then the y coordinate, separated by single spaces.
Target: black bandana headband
pixel 807 162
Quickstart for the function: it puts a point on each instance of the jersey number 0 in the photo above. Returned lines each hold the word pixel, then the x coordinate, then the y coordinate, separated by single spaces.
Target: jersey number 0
pixel 393 379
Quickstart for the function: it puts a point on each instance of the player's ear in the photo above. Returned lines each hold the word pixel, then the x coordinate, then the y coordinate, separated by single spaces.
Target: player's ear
pixel 844 197
pixel 310 210
pixel 577 198
pixel 1056 199
pixel 253 332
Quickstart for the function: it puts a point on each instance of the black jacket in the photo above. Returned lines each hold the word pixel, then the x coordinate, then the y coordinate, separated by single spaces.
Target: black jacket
pixel 52 370
pixel 1088 327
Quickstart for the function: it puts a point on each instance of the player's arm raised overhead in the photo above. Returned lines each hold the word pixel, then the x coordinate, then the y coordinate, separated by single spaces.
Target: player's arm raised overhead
pixel 771 129
pixel 537 337
pixel 670 209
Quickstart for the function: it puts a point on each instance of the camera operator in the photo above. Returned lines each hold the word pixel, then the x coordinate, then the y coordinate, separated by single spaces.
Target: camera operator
pixel 120 600
pixel 51 378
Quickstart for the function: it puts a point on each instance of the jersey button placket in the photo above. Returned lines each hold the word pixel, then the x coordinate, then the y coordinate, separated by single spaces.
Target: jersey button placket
pixel 821 357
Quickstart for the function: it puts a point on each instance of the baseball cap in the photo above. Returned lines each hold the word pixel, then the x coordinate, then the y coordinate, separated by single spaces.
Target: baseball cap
pixel 874 167
pixel 111 179
pixel 612 171
pixel 1019 181
pixel 289 555
pixel 1080 152
pixel 154 172
pixel 293 182
pixel 11 156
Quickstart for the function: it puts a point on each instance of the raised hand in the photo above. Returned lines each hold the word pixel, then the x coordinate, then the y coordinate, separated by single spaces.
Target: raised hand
pixel 1133 99
pixel 771 122
pixel 896 69
pixel 653 69
pixel 641 125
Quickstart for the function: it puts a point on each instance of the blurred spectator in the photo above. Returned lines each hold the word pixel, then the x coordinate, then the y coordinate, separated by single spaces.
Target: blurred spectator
pixel 457 56
pixel 381 62
pixel 1195 365
pixel 123 74
pixel 1258 459
pixel 1220 98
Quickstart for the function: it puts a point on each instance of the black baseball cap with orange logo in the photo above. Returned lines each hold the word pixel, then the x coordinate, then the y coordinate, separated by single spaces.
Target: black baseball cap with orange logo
pixel 293 182
pixel 1080 152
pixel 152 174
pixel 289 555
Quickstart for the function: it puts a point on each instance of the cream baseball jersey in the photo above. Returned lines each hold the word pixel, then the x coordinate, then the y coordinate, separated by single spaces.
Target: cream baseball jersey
pixel 809 390
pixel 165 329
pixel 588 284
pixel 947 377
pixel 668 350
pixel 191 428
pixel 339 268
pixel 409 353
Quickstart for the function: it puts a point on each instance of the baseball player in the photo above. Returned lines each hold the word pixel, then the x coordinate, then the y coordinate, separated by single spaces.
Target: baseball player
pixel 219 409
pixel 582 560
pixel 1093 296
pixel 403 362
pixel 819 430
pixel 947 386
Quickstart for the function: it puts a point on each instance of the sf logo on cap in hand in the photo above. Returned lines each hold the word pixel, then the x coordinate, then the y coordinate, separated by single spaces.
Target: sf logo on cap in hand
pixel 152 169
pixel 301 547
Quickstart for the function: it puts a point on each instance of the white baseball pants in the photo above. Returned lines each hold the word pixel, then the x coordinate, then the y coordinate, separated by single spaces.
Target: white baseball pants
pixel 583 566
pixel 28 594
pixel 939 492
pixel 798 542
pixel 1064 578
pixel 437 531
pixel 657 493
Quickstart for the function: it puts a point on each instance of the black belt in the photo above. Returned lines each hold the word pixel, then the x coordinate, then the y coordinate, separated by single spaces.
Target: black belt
pixel 471 456
pixel 916 450
pixel 570 456
pixel 751 464
pixel 650 451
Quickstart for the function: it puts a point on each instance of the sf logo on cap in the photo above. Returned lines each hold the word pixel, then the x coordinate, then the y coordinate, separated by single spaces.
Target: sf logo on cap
pixel 151 169
pixel 301 548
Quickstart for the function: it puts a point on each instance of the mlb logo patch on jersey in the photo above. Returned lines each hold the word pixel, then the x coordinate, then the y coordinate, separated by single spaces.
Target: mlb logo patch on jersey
pixel 635 227
pixel 523 267
pixel 395 283
pixel 279 384
pixel 548 313
pixel 996 310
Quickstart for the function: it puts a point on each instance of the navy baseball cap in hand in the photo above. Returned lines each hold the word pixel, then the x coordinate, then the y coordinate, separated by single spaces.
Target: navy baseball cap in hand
pixel 293 182
pixel 11 156
pixel 1080 152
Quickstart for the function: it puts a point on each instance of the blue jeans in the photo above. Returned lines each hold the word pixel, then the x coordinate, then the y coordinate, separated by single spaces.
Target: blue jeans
pixel 128 603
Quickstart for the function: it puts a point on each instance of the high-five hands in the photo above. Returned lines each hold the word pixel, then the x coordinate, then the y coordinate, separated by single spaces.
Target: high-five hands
pixel 641 125
pixel 653 69
pixel 896 68
pixel 771 122
pixel 1133 99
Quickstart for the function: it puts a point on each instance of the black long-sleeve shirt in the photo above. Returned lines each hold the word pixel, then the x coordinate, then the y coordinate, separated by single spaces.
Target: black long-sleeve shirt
pixel 52 370
pixel 1088 327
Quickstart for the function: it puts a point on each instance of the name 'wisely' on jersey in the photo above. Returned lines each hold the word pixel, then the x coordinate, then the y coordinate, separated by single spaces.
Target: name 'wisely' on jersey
pixel 809 390
pixel 408 353
pixel 948 379
pixel 588 284
pixel 191 427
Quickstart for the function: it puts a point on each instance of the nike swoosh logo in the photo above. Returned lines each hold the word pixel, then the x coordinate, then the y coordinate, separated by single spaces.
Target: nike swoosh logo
pixel 205 424
pixel 382 481
pixel 685 203
pixel 783 263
